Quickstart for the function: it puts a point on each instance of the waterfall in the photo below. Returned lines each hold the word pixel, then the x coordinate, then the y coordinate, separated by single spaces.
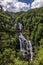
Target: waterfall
pixel 21 39
pixel 20 26
pixel 25 46
pixel 30 46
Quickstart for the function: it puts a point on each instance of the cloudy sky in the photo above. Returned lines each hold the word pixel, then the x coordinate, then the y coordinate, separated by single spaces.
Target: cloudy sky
pixel 20 5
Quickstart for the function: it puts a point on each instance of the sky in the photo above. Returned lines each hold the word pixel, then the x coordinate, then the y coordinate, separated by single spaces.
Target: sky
pixel 20 5
pixel 27 1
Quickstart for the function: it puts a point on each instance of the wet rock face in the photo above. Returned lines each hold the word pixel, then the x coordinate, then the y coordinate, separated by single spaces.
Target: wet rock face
pixel 25 46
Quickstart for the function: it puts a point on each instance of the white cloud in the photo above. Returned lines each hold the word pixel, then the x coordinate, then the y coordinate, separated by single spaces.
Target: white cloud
pixel 14 5
pixel 37 4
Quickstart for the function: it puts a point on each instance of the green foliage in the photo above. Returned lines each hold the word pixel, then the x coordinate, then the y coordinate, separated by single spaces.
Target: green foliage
pixel 32 21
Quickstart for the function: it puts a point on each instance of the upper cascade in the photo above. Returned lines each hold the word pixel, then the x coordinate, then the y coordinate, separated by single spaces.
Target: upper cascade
pixel 19 26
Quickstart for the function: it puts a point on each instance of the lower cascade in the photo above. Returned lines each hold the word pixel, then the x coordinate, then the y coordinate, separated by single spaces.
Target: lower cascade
pixel 25 46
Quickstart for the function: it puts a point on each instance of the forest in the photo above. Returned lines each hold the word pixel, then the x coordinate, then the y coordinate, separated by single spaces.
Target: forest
pixel 32 22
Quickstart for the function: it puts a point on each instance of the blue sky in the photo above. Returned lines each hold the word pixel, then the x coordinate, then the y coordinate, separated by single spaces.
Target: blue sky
pixel 20 5
pixel 27 1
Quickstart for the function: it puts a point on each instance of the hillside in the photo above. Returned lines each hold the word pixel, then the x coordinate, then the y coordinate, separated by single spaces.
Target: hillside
pixel 32 21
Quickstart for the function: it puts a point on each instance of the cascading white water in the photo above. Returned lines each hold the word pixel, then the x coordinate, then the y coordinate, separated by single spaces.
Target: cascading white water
pixel 24 44
pixel 28 44
pixel 30 47
pixel 20 26
pixel 21 39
